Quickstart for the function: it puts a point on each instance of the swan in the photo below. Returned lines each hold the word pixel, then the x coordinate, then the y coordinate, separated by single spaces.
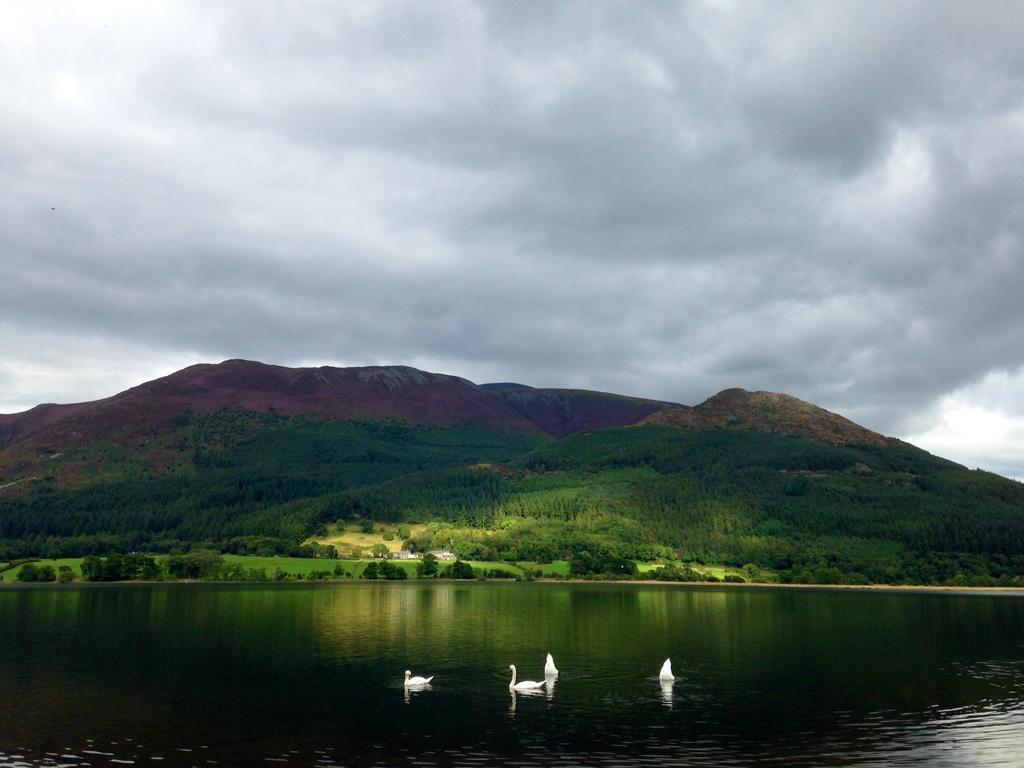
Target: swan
pixel 410 680
pixel 549 667
pixel 666 671
pixel 525 685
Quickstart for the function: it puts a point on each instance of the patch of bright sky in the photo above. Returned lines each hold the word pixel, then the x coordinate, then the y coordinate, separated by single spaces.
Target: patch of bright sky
pixel 84 369
pixel 981 425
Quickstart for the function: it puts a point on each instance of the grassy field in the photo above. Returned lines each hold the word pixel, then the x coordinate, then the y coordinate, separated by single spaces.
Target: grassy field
pixel 555 568
pixel 351 537
pixel 74 562
pixel 293 566
pixel 719 572
pixel 296 566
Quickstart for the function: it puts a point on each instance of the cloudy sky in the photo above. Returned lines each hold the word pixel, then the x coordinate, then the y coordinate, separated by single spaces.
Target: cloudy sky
pixel 662 199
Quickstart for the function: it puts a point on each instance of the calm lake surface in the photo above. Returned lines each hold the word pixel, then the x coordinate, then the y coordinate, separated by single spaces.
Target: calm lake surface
pixel 312 675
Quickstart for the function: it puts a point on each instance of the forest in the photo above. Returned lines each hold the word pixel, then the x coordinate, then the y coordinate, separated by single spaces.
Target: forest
pixel 267 485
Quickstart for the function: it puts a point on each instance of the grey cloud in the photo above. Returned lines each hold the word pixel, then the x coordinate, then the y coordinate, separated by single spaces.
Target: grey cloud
pixel 663 199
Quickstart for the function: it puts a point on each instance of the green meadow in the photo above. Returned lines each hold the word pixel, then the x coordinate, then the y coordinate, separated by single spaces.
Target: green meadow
pixel 294 567
pixel 301 567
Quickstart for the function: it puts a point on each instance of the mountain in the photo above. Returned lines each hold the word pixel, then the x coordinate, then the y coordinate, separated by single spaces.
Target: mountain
pixel 401 393
pixel 561 412
pixel 374 392
pixel 148 429
pixel 767 412
pixel 377 392
pixel 255 458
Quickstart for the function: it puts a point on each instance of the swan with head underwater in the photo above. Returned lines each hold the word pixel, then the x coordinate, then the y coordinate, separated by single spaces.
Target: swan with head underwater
pixel 413 681
pixel 550 670
pixel 666 675
pixel 525 685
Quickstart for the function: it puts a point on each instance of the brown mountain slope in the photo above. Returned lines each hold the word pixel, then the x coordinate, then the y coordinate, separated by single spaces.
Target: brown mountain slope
pixel 561 412
pixel 15 427
pixel 768 412
pixel 386 392
pixel 389 392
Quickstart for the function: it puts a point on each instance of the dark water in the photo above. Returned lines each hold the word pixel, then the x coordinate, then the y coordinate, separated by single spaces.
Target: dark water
pixel 312 675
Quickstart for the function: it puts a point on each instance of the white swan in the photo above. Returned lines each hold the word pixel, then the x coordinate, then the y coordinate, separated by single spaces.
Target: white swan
pixel 525 685
pixel 666 671
pixel 549 667
pixel 410 680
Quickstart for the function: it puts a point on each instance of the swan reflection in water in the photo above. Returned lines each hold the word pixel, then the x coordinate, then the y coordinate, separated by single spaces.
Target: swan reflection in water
pixel 533 693
pixel 666 692
pixel 411 690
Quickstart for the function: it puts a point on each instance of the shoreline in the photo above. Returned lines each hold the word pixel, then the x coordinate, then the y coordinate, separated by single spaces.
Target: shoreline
pixel 924 588
pixel 894 588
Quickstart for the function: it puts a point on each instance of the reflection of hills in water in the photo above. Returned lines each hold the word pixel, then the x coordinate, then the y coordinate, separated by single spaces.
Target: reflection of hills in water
pixel 791 676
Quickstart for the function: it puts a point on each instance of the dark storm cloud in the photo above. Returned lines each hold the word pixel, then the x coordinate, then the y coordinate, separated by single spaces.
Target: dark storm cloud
pixel 664 199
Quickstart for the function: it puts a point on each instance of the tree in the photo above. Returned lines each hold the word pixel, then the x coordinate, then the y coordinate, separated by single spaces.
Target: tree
pixel 92 568
pixel 149 569
pixel 28 573
pixel 65 574
pixel 233 572
pixel 208 562
pixel 586 563
pixel 139 566
pixel 379 550
pixel 389 570
pixel 427 567
pixel 370 571
pixel 113 568
pixel 178 567
pixel 460 570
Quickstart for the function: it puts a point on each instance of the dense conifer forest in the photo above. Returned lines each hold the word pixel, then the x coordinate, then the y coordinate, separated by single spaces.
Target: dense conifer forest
pixel 263 484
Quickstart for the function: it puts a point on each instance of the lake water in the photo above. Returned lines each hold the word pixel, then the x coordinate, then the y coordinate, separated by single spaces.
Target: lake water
pixel 183 675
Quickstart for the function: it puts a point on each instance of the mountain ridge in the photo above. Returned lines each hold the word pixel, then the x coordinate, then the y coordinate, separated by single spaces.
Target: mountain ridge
pixel 410 394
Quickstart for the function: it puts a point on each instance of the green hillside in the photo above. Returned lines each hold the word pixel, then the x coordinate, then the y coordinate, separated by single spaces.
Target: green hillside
pixel 234 480
pixel 262 485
